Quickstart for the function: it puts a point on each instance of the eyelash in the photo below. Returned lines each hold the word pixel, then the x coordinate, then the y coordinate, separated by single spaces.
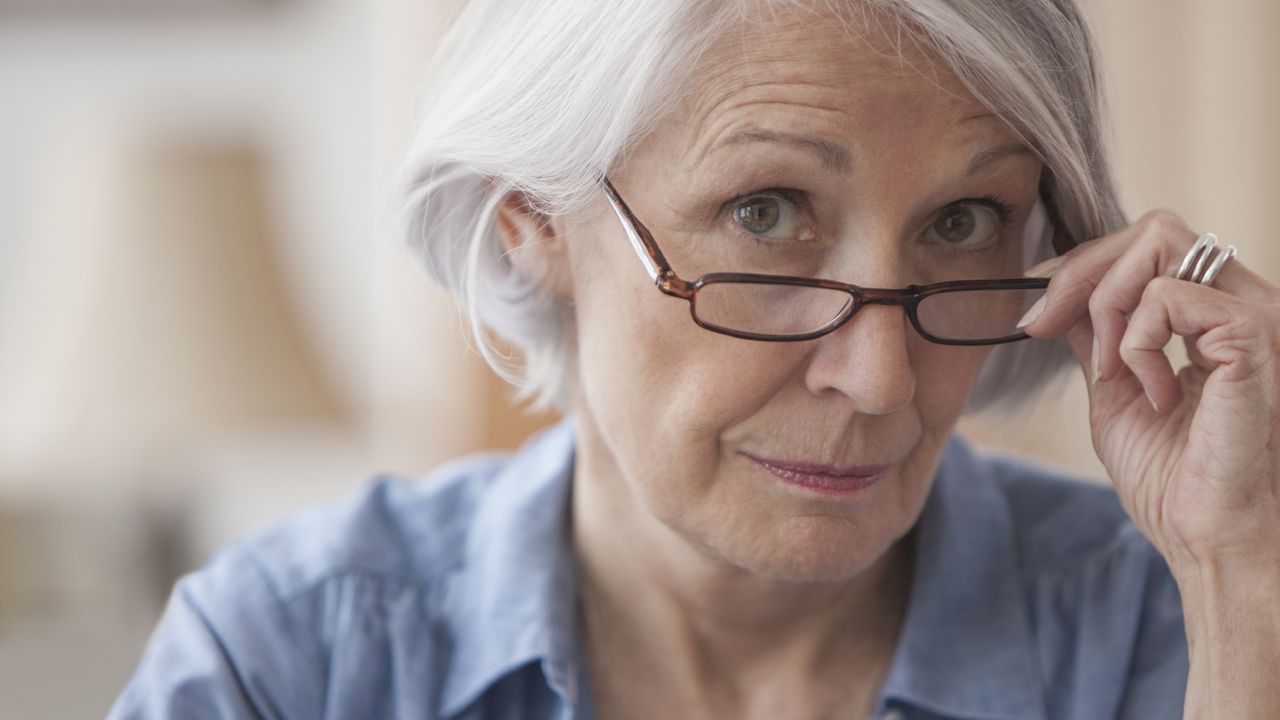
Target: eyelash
pixel 787 193
pixel 1002 208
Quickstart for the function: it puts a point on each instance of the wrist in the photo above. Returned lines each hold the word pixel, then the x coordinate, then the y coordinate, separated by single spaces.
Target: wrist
pixel 1233 638
pixel 1232 603
pixel 1244 577
pixel 1252 550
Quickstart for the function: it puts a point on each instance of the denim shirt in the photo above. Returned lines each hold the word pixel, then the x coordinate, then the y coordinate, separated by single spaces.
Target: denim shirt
pixel 1033 597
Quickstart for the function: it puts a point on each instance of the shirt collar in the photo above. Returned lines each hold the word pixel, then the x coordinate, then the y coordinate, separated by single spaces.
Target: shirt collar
pixel 966 646
pixel 515 601
pixel 965 651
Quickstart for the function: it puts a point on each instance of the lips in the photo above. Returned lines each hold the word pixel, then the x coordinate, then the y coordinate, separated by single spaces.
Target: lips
pixel 822 477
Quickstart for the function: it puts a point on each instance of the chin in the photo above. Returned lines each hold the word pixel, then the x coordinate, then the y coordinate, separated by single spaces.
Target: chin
pixel 816 549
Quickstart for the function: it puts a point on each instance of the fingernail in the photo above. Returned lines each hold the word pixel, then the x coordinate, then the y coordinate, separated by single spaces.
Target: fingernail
pixel 1046 268
pixel 1097 354
pixel 1033 313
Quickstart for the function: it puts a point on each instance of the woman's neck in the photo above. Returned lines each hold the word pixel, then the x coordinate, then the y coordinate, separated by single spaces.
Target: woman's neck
pixel 668 615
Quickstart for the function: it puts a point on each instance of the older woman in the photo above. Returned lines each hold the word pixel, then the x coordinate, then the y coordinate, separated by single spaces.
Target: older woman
pixel 764 255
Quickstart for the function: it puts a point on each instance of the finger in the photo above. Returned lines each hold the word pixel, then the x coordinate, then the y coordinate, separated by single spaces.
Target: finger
pixel 1075 279
pixel 1071 283
pixel 1156 252
pixel 1191 344
pixel 1108 399
pixel 1107 279
pixel 1163 240
pixel 1079 338
pixel 1141 349
pixel 1228 329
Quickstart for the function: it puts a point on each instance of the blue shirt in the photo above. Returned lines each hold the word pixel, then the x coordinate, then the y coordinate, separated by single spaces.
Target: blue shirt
pixel 1033 596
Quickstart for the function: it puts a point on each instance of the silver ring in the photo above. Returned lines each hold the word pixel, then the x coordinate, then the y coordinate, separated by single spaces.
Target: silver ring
pixel 1196 265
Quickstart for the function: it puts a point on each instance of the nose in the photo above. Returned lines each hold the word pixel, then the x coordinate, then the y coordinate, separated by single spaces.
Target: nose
pixel 867 360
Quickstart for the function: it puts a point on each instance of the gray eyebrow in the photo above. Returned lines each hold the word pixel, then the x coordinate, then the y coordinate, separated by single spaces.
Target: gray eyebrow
pixel 832 156
pixel 990 155
pixel 836 159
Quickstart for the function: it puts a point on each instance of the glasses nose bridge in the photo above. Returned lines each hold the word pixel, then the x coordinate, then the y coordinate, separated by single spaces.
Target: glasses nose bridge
pixel 863 297
pixel 904 300
pixel 878 299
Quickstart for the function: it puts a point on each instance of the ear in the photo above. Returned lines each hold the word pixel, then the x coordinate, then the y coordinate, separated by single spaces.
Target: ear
pixel 534 242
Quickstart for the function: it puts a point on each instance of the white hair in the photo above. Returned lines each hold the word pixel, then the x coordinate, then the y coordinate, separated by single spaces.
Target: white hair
pixel 537 96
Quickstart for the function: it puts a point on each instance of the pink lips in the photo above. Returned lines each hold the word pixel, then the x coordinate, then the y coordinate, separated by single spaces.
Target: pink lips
pixel 823 478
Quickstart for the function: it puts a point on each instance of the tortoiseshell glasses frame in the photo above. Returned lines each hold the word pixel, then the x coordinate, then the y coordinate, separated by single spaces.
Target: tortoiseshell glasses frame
pixel 908 298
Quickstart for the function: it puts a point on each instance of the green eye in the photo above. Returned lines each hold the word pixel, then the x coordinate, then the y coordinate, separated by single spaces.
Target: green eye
pixel 759 215
pixel 956 226
pixel 770 216
pixel 967 225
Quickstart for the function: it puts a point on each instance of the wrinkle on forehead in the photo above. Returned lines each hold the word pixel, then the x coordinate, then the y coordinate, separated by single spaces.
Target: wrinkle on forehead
pixel 806 58
pixel 738 106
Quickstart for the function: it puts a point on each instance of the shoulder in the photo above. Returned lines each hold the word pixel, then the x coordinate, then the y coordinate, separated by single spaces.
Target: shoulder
pixel 1059 520
pixel 350 593
pixel 1102 601
pixel 395 531
pixel 1064 525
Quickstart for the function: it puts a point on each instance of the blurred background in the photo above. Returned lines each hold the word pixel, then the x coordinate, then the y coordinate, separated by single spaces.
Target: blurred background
pixel 205 323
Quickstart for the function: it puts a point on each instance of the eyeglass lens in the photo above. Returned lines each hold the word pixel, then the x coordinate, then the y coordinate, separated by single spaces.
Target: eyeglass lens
pixel 793 310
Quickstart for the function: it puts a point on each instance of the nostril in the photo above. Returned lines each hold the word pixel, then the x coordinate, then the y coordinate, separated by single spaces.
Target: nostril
pixel 868 361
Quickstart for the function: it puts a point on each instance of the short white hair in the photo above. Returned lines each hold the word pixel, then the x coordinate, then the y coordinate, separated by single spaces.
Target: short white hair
pixel 537 96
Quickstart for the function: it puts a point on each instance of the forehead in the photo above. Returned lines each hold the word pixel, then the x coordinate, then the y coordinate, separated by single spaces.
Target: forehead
pixel 862 83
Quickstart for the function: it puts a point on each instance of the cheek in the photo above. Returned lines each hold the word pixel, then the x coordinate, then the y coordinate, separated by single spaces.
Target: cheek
pixel 944 376
pixel 645 364
pixel 642 357
pixel 662 390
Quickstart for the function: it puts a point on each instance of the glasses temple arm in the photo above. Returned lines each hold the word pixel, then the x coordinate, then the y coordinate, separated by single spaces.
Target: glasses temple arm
pixel 654 262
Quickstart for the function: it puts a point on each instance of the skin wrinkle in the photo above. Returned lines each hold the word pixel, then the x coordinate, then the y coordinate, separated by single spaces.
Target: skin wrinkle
pixel 991 155
pixel 691 168
pixel 832 156
pixel 836 159
pixel 709 578
pixel 989 161
pixel 740 100
pixel 710 571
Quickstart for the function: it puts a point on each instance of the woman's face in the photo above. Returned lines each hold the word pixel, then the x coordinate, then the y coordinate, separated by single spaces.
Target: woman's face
pixel 802 152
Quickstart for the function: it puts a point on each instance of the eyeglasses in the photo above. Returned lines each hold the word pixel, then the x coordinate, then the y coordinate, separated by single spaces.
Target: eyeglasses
pixel 783 308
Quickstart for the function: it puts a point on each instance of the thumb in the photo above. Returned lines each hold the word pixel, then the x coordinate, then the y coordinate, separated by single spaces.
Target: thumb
pixel 1080 338
pixel 1113 396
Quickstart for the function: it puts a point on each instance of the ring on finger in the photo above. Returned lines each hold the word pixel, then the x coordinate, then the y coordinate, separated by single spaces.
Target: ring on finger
pixel 1196 264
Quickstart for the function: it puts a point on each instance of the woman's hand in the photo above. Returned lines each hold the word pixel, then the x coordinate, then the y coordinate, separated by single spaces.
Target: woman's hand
pixel 1194 456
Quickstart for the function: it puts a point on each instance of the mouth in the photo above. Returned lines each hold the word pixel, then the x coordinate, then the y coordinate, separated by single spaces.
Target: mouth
pixel 822 478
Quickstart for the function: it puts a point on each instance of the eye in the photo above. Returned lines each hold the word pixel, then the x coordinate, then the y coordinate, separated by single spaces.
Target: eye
pixel 769 215
pixel 969 224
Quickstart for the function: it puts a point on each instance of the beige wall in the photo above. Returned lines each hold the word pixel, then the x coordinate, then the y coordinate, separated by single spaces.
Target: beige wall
pixel 1194 96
